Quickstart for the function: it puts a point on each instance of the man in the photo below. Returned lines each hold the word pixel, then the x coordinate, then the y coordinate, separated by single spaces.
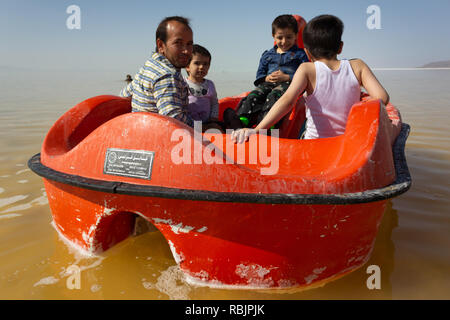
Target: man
pixel 159 85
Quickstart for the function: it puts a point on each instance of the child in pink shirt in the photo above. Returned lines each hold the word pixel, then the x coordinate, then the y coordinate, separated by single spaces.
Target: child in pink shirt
pixel 203 103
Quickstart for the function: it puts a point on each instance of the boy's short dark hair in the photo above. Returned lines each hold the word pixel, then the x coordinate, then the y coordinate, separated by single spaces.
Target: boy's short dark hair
pixel 322 36
pixel 198 49
pixel 161 31
pixel 285 21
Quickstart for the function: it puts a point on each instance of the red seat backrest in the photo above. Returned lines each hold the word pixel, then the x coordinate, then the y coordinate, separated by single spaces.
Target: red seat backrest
pixel 293 122
pixel 301 25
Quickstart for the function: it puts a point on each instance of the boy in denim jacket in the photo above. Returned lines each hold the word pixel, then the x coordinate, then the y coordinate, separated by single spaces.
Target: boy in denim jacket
pixel 276 69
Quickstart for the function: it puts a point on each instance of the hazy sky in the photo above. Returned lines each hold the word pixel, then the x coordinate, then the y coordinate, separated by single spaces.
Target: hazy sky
pixel 119 35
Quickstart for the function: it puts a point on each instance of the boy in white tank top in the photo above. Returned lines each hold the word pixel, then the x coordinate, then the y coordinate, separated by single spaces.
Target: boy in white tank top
pixel 332 85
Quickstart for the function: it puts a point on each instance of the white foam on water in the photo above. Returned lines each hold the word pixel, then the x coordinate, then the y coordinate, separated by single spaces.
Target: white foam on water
pixel 46 281
pixel 80 256
pixel 22 171
pixel 42 200
pixel 148 285
pixel 18 208
pixel 172 283
pixel 13 199
pixel 9 216
pixel 96 288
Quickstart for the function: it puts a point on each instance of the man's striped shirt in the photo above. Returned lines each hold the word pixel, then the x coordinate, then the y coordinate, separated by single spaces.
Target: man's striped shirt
pixel 159 87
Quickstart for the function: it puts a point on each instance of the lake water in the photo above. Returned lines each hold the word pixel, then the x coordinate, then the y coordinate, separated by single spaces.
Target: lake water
pixel 412 247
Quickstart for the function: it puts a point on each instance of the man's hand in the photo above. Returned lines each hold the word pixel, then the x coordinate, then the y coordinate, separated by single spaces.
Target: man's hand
pixel 242 135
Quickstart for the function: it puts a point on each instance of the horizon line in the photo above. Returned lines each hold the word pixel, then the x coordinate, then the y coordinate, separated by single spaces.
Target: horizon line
pixel 218 71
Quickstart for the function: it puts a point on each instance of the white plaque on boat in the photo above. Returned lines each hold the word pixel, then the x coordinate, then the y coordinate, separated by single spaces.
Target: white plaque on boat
pixel 129 163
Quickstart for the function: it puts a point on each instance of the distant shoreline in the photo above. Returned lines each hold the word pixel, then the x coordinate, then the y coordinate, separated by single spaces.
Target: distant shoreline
pixel 437 64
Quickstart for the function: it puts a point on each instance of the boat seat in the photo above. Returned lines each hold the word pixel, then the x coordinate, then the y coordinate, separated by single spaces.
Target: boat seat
pixel 77 123
pixel 293 122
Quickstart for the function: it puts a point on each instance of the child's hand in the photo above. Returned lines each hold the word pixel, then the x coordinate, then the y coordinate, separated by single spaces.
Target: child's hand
pixel 242 135
pixel 278 76
pixel 270 78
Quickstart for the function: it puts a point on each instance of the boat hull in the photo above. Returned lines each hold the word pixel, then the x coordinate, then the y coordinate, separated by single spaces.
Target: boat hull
pixel 225 244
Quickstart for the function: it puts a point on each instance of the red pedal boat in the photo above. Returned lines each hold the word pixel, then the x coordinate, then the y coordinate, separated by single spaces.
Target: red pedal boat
pixel 273 213
pixel 227 224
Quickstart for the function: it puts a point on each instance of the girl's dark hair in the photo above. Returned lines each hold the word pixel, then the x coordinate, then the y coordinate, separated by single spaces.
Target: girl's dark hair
pixel 322 36
pixel 198 49
pixel 285 21
pixel 161 31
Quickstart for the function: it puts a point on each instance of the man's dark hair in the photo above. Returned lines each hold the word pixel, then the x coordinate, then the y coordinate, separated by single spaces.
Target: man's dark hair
pixel 322 36
pixel 285 21
pixel 161 31
pixel 198 49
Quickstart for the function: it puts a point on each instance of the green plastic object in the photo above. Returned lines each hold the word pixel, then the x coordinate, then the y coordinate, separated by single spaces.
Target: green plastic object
pixel 244 120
